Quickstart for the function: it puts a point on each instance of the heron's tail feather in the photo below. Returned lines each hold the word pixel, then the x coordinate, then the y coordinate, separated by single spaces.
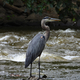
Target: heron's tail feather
pixel 29 59
pixel 27 62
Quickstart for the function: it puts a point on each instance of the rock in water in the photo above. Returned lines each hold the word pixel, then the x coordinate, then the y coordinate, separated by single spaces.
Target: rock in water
pixel 34 78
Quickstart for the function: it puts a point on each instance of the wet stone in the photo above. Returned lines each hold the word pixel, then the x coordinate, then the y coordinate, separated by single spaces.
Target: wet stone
pixel 34 78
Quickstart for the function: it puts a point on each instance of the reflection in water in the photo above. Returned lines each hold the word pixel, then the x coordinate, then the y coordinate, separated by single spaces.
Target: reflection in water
pixel 60 59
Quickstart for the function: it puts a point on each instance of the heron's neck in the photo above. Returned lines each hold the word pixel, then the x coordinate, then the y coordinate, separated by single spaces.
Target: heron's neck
pixel 47 30
pixel 47 34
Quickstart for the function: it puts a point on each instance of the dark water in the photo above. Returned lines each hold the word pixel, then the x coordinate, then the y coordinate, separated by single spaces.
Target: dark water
pixel 60 59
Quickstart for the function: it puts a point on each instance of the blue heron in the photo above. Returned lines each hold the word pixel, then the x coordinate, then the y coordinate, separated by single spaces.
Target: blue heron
pixel 37 44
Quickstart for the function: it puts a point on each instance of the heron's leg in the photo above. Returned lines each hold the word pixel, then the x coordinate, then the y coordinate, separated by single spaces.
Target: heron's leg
pixel 39 66
pixel 31 70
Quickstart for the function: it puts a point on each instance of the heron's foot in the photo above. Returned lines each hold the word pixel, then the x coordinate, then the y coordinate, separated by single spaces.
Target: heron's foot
pixel 39 78
pixel 31 77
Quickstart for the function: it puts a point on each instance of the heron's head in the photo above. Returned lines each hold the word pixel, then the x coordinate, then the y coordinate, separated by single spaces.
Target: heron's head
pixel 49 19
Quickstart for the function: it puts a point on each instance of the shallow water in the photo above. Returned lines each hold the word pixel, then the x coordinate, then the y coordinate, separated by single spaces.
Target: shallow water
pixel 60 59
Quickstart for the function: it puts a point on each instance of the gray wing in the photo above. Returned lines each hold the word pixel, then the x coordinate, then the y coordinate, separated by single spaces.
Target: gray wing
pixel 35 49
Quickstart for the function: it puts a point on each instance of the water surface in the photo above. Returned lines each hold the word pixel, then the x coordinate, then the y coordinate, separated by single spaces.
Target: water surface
pixel 60 59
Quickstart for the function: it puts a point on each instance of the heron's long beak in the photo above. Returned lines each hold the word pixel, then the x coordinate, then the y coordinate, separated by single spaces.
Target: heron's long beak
pixel 55 19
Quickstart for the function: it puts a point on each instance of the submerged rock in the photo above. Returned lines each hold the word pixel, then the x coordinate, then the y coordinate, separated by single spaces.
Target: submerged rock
pixel 34 78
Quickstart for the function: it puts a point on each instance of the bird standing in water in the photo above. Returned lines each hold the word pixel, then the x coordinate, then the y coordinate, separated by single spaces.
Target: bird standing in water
pixel 37 44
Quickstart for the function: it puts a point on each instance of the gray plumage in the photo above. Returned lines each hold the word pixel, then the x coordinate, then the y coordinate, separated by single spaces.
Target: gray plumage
pixel 35 48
